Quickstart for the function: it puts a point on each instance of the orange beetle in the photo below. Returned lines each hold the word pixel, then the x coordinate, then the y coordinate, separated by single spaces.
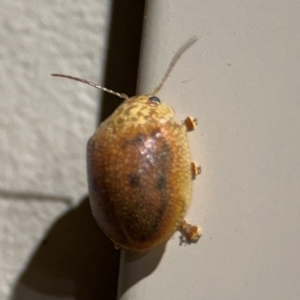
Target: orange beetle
pixel 140 172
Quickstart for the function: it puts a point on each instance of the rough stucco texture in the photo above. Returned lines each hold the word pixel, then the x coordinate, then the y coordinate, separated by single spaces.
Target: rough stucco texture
pixel 44 122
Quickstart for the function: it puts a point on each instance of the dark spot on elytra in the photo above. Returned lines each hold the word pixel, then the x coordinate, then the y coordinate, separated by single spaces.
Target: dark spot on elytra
pixel 161 183
pixel 134 180
pixel 95 185
pixel 165 151
pixel 159 215
pixel 140 138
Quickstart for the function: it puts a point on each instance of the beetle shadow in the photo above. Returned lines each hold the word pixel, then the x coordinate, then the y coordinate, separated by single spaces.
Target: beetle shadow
pixel 136 266
pixel 74 259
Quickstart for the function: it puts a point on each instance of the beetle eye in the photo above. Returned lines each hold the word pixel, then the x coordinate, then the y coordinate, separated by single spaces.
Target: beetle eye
pixel 154 99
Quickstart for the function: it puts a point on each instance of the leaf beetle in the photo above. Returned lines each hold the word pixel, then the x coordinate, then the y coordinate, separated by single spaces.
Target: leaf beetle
pixel 140 172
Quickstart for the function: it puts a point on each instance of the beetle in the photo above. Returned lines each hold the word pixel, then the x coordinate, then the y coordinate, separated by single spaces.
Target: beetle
pixel 140 172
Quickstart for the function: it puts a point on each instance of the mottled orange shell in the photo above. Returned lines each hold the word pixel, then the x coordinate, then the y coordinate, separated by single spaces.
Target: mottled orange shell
pixel 139 174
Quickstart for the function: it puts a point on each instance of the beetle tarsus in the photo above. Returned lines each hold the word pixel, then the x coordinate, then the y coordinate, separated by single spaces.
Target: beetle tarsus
pixel 196 170
pixel 190 123
pixel 190 233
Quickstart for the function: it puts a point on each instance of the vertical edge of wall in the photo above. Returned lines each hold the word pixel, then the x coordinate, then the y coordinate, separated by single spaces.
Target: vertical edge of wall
pixel 241 80
pixel 161 39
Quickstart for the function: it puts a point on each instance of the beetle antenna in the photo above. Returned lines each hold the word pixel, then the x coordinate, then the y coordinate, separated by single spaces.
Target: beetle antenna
pixel 173 62
pixel 121 95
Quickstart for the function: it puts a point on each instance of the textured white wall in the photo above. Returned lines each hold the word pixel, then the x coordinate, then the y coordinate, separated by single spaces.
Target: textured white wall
pixel 44 125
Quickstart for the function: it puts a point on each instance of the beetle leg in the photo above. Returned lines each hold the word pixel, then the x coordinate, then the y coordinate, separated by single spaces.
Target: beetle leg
pixel 196 170
pixel 190 123
pixel 190 233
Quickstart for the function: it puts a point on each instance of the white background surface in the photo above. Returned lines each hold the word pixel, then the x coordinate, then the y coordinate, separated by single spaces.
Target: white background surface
pixel 241 81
